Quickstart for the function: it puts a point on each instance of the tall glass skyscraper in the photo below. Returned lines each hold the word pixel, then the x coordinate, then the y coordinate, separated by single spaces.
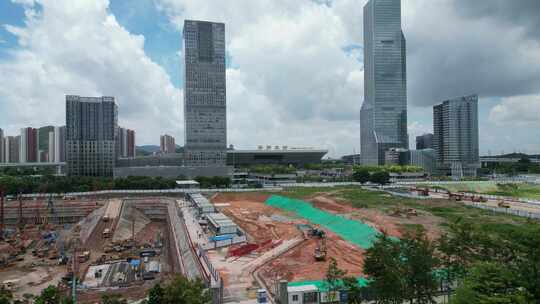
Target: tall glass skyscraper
pixel 205 120
pixel 383 117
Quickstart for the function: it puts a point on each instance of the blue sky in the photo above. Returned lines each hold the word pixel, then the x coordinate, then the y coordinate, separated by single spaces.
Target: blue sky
pixel 295 71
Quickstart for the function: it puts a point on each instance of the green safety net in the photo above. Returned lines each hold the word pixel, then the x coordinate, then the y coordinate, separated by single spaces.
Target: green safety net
pixel 355 232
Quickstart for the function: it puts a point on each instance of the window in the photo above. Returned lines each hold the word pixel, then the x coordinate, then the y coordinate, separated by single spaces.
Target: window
pixel 295 298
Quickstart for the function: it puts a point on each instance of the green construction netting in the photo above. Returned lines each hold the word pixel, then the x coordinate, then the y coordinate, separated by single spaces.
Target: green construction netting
pixel 355 232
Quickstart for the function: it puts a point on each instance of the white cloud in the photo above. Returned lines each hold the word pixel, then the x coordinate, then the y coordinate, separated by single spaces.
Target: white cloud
pixel 292 83
pixel 78 47
pixel 517 111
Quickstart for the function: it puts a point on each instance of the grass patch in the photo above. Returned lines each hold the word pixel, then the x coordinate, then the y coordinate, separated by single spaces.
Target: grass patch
pixel 527 191
pixel 357 197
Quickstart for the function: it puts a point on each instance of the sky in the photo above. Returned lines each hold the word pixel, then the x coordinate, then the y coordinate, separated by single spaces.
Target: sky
pixel 294 68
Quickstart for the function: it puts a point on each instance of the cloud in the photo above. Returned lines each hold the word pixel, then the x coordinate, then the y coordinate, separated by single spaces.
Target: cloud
pixel 450 54
pixel 288 67
pixel 78 47
pixel 517 111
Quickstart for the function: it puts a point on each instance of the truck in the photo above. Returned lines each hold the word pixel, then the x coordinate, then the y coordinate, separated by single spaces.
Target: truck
pixel 106 233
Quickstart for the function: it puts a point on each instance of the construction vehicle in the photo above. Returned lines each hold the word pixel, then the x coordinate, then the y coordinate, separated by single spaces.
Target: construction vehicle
pixel 503 204
pixel 106 233
pixel 84 256
pixel 320 251
pixel 478 199
pixel 454 196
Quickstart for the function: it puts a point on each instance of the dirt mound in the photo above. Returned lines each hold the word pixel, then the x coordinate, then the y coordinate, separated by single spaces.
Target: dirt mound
pixel 246 196
pixel 299 264
pixel 330 204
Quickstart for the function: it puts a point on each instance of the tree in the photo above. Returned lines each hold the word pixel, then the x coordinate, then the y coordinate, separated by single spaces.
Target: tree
pixel 381 178
pixel 113 299
pixel 384 269
pixel 51 295
pixel 5 295
pixel 183 291
pixel 333 279
pixel 354 291
pixel 419 262
pixel 489 283
pixel 155 296
pixel 361 175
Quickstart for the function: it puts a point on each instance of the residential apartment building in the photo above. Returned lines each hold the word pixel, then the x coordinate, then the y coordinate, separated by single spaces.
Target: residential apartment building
pixel 91 127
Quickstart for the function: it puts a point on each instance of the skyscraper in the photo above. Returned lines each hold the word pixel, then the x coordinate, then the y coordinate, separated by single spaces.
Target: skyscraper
pixel 204 94
pixel 166 144
pixel 424 141
pixel 91 126
pixel 28 146
pixel 383 116
pixel 455 138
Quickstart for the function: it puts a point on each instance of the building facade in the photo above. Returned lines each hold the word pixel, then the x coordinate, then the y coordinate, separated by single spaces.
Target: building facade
pixel 44 153
pixel 125 143
pixel 383 116
pixel 425 158
pixel 91 127
pixel 455 140
pixel 204 94
pixel 59 150
pixel 424 141
pixel 2 152
pixel 397 156
pixel 12 149
pixel 28 146
pixel 167 144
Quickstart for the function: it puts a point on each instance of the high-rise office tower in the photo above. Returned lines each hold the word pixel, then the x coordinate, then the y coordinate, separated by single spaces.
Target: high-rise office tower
pixel 424 141
pixel 28 146
pixel 167 144
pixel 204 94
pixel 455 138
pixel 12 149
pixel 91 126
pixel 383 116
pixel 59 144
pixel 125 143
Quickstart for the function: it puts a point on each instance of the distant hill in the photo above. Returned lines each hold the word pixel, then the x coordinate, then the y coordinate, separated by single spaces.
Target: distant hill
pixel 149 149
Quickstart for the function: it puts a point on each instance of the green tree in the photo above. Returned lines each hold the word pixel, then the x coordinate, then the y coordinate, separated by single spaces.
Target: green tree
pixel 52 295
pixel 420 263
pixel 155 296
pixel 354 291
pixel 183 291
pixel 489 283
pixel 361 175
pixel 381 178
pixel 6 296
pixel 333 279
pixel 383 265
pixel 113 299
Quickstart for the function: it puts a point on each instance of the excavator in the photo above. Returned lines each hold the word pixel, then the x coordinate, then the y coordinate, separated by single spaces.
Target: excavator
pixel 320 251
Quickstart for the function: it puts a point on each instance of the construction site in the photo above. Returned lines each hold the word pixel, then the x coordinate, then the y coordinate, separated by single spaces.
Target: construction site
pixel 88 247
pixel 247 247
